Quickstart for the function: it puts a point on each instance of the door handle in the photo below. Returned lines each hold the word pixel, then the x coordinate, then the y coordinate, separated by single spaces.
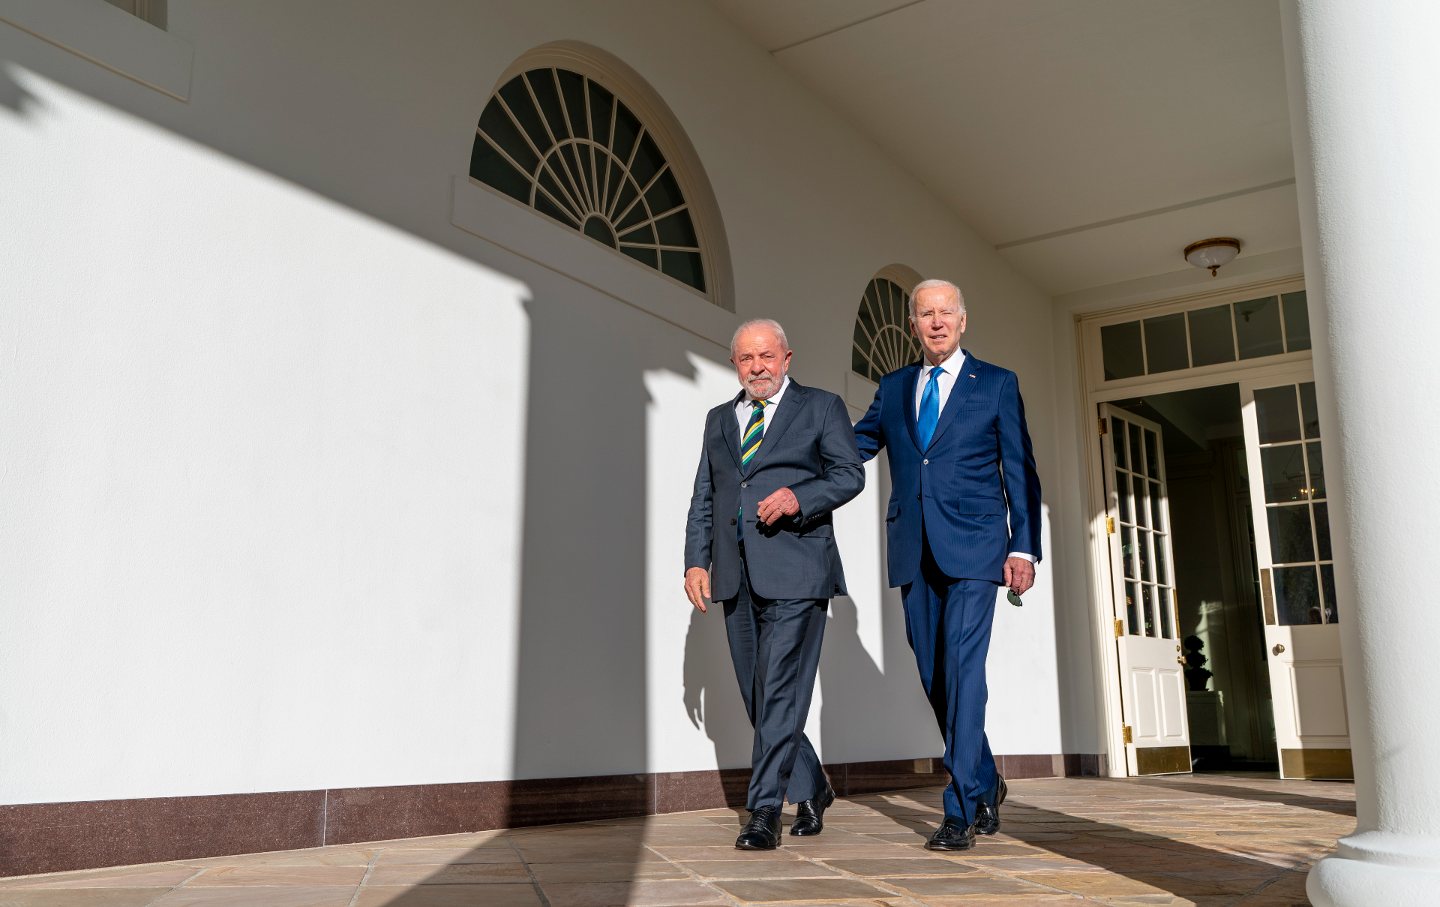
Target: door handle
pixel 1279 648
pixel 1180 659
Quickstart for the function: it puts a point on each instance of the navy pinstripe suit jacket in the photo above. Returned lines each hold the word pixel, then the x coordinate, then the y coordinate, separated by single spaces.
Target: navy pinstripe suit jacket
pixel 958 492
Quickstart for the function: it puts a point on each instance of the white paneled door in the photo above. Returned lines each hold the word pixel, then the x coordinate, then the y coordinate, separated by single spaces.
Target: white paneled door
pixel 1283 442
pixel 1142 570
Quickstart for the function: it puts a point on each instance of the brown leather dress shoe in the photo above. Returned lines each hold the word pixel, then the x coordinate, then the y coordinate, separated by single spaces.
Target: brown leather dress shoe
pixel 762 832
pixel 810 814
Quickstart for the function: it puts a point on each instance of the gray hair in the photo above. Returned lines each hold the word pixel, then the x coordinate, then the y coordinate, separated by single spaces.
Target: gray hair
pixel 936 285
pixel 769 323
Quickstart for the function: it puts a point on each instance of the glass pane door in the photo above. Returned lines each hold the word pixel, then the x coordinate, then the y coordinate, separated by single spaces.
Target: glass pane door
pixel 1142 574
pixel 1284 445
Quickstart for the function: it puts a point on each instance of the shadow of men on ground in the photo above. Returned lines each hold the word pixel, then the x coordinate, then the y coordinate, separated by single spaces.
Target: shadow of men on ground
pixel 1071 847
pixel 1296 799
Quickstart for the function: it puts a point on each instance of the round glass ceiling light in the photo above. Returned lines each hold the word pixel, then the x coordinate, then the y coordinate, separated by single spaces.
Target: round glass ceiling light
pixel 1213 253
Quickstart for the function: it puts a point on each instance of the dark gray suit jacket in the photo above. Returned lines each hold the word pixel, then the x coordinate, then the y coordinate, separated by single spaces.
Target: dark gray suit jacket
pixel 808 448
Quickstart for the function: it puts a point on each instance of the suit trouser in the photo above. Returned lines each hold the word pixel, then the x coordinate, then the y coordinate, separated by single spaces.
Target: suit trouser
pixel 775 647
pixel 948 624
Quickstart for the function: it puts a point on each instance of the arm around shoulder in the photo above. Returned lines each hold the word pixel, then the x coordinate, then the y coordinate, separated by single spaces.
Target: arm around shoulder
pixel 842 472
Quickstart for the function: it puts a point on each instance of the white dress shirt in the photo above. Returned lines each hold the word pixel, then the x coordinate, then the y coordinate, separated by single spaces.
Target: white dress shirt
pixel 745 406
pixel 945 384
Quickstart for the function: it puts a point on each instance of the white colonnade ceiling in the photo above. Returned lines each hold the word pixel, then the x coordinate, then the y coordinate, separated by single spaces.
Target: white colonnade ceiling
pixel 1088 141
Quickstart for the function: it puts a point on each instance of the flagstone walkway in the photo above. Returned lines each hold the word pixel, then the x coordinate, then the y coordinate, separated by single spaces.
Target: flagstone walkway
pixel 1182 839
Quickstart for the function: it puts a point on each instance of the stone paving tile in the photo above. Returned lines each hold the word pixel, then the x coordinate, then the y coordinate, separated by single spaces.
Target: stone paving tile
pixel 967 886
pixel 641 894
pixel 154 875
pixel 89 897
pixel 610 872
pixel 728 852
pixel 802 890
pixel 251 897
pixel 283 876
pixel 412 855
pixel 447 896
pixel 1206 840
pixel 911 867
pixel 747 869
pixel 456 874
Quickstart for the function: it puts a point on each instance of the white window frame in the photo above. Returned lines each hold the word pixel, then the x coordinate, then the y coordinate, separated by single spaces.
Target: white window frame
pixel 109 37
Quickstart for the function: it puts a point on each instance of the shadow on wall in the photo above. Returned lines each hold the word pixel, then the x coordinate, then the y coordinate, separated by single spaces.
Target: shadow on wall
pixel 712 701
pixel 581 674
pixel 581 677
pixel 13 96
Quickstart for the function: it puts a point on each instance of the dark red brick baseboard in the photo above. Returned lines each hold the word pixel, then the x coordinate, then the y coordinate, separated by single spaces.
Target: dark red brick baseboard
pixel 53 837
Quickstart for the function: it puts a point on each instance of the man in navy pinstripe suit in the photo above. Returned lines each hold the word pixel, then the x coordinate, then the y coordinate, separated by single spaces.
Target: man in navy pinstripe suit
pixel 964 519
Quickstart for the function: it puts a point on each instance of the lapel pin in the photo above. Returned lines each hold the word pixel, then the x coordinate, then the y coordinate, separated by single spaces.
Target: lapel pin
pixel 972 374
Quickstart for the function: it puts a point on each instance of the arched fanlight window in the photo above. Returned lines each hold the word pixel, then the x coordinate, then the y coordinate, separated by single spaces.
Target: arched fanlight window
pixel 883 341
pixel 564 144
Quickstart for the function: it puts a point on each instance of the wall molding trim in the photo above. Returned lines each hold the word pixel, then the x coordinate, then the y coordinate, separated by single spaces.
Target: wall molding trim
pixel 108 37
pixel 55 837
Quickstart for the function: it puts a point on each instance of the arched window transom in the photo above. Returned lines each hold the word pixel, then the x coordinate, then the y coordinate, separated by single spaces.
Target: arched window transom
pixel 566 146
pixel 883 341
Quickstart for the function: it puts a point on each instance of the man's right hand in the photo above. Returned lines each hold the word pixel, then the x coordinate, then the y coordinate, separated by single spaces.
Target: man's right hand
pixel 697 586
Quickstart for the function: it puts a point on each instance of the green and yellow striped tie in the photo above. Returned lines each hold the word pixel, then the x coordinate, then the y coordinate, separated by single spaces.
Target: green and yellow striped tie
pixel 754 433
pixel 749 444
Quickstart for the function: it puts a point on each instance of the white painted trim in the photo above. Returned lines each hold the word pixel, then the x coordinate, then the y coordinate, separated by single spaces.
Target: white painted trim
pixel 1090 323
pixel 859 391
pixel 1091 394
pixel 661 123
pixel 108 37
pixel 478 210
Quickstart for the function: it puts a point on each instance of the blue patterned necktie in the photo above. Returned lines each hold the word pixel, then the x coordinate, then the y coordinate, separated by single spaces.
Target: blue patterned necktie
pixel 929 408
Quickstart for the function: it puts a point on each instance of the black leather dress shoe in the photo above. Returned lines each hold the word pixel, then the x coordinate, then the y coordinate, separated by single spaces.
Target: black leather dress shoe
pixel 810 814
pixel 953 834
pixel 762 832
pixel 987 811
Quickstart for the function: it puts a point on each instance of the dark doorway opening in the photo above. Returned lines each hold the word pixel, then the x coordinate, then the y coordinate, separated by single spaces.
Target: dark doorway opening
pixel 1229 701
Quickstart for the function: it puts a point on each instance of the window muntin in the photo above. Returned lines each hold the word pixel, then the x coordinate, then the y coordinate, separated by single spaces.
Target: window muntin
pixel 883 341
pixel 565 145
pixel 1210 335
pixel 1296 509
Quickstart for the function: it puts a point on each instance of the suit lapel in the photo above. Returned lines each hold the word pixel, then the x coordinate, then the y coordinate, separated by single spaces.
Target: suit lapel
pixel 784 415
pixel 971 372
pixel 730 429
pixel 908 404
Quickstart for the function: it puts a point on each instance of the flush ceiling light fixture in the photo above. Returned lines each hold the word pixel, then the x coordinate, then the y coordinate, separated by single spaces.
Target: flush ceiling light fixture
pixel 1213 253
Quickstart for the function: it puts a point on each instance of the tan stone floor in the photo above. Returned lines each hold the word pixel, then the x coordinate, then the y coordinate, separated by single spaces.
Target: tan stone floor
pixel 1201 839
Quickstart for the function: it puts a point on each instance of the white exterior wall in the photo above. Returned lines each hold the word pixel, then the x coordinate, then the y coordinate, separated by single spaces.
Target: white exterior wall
pixel 303 486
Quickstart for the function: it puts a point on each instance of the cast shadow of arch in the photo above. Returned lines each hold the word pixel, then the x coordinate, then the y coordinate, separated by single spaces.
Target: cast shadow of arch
pixel 581 678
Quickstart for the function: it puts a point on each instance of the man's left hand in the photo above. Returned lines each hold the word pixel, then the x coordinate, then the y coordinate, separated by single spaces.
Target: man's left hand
pixel 1019 574
pixel 780 504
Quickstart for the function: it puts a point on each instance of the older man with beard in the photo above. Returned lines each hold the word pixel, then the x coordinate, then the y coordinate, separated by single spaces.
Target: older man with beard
pixel 777 460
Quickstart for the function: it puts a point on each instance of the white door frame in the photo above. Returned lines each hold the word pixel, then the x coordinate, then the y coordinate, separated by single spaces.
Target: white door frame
pixel 1094 390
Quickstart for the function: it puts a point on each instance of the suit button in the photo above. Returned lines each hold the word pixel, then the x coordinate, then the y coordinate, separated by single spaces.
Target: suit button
pixel 925 463
pixel 732 521
pixel 917 497
pixel 744 484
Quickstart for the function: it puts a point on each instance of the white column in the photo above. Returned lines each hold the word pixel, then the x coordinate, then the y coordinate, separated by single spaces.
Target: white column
pixel 1364 87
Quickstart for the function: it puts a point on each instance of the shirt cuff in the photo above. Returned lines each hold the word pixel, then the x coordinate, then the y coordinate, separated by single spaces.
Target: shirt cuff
pixel 1029 557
